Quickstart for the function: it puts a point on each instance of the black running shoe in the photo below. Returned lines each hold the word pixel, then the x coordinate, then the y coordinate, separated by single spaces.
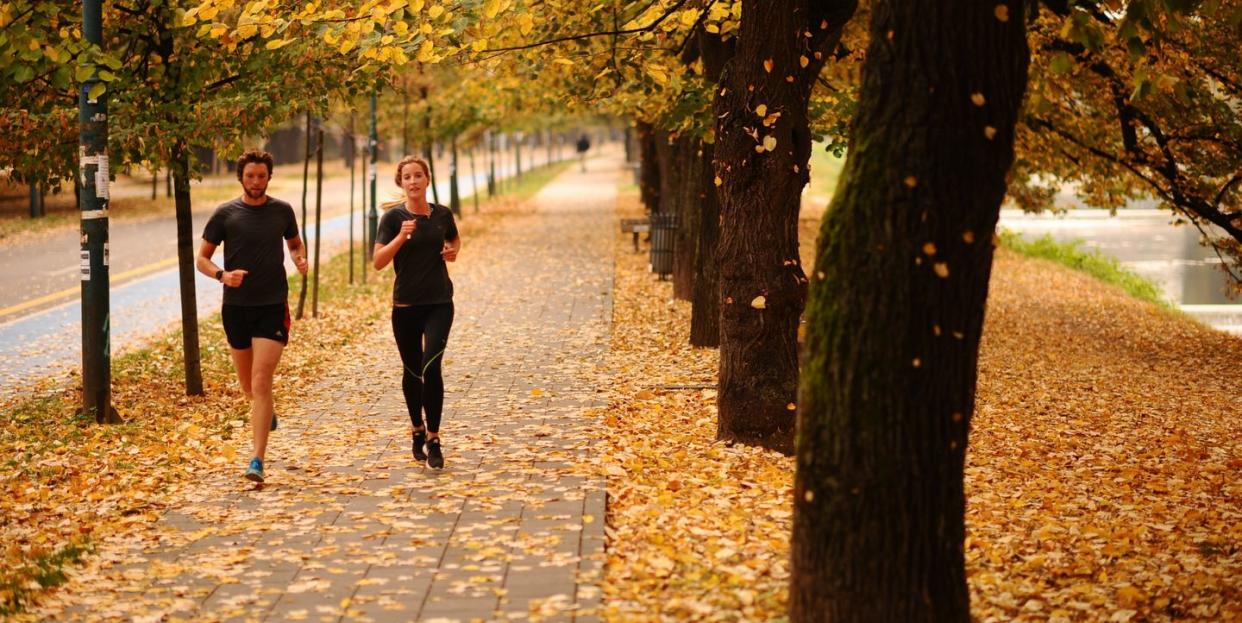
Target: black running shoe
pixel 435 459
pixel 420 438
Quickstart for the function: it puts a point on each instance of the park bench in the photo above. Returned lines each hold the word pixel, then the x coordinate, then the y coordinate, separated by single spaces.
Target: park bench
pixel 635 226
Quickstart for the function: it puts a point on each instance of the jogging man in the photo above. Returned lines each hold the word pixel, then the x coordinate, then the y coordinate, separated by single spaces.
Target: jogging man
pixel 255 311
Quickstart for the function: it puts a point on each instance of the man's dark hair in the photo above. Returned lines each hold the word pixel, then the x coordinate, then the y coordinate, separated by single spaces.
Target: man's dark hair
pixel 254 155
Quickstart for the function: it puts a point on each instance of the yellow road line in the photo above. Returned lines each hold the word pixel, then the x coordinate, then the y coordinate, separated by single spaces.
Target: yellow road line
pixel 48 298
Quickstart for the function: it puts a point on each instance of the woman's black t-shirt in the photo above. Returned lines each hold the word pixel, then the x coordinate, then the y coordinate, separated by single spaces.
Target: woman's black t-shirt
pixel 422 274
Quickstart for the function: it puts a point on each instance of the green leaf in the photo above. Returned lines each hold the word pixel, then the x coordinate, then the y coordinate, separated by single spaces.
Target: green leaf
pixel 83 72
pixel 62 78
pixel 1062 63
pixel 107 76
pixel 97 90
pixel 23 73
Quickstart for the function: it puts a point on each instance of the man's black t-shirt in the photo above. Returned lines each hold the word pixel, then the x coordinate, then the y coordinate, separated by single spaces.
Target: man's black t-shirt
pixel 253 237
pixel 422 274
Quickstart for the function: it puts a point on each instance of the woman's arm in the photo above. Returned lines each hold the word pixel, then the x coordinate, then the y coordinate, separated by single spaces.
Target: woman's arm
pixel 382 254
pixel 451 247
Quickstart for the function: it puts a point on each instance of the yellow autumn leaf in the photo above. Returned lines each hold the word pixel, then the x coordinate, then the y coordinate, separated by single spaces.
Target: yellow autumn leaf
pixel 759 302
pixel 769 142
pixel 424 51
pixel 435 11
pixel 491 8
pixel 526 23
pixel 276 44
pixel 416 5
pixel 767 65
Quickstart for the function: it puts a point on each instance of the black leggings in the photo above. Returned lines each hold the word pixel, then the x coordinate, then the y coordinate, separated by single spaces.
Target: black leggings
pixel 421 380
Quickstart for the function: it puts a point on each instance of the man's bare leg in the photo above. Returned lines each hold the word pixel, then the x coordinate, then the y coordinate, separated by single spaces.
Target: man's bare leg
pixel 266 356
pixel 242 359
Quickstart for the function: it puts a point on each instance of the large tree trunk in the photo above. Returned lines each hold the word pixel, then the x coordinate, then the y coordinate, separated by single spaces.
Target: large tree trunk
pixel 896 313
pixel 686 152
pixel 761 160
pixel 705 294
pixel 649 168
pixel 180 169
pixel 705 298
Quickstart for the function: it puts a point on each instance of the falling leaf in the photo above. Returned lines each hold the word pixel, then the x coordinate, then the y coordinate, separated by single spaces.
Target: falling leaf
pixel 759 302
pixel 767 65
pixel 977 99
pixel 1002 13
pixel 769 142
pixel 942 269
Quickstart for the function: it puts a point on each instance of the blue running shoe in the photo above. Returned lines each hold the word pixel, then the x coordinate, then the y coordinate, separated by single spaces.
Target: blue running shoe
pixel 255 471
pixel 273 421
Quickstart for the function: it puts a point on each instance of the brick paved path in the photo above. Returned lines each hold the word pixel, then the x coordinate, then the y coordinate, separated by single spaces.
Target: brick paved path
pixel 349 528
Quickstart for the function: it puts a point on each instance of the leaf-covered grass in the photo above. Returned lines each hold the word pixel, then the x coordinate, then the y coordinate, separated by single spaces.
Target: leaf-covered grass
pixel 1092 262
pixel 41 572
pixel 65 481
pixel 532 181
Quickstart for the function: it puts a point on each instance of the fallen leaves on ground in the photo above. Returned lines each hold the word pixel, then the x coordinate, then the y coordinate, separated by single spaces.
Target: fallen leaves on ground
pixel 68 482
pixel 1102 477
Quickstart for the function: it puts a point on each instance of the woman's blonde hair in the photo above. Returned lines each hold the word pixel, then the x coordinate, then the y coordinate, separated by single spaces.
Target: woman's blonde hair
pixel 412 159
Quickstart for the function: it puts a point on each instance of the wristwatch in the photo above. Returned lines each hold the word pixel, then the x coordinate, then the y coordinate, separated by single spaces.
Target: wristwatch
pixel 219 275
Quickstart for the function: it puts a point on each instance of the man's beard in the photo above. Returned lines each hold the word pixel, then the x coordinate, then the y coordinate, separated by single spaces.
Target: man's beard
pixel 255 194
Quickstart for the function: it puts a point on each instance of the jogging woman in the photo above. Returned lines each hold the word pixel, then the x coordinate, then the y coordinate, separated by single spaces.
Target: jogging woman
pixel 418 238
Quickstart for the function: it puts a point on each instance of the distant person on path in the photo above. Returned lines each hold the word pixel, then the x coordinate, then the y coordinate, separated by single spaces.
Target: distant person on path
pixel 584 144
pixel 255 311
pixel 418 238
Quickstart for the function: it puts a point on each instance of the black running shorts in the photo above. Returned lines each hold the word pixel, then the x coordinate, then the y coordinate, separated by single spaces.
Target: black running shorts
pixel 245 322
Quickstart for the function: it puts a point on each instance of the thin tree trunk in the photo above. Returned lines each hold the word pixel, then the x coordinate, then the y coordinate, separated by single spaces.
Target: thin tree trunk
pixel 896 313
pixel 362 220
pixel 186 270
pixel 350 143
pixel 491 165
pixel 761 162
pixel 36 200
pixel 155 183
pixel 454 191
pixel 318 217
pixel 474 179
pixel 305 184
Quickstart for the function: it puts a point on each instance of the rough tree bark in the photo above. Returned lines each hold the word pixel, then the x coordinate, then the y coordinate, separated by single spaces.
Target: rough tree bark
pixel 705 297
pixel 763 142
pixel 649 167
pixel 180 170
pixel 896 313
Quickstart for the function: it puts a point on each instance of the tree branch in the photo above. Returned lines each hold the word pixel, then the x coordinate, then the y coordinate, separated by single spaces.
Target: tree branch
pixel 590 35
